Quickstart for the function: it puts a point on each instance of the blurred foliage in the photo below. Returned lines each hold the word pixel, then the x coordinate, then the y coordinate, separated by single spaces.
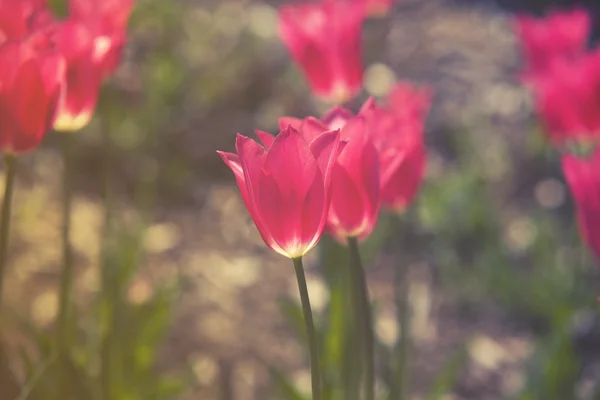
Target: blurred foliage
pixel 197 72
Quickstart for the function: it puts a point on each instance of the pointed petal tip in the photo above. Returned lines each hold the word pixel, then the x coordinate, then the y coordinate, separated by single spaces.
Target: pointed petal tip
pixel 228 157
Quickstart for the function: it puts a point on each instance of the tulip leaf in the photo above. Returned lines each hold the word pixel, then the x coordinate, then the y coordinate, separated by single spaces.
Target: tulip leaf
pixel 334 340
pixel 292 311
pixel 447 377
pixel 338 355
pixel 554 371
pixel 286 388
pixel 371 247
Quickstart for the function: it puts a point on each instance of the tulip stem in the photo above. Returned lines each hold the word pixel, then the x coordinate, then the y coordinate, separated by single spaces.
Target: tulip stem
pixel 66 275
pixel 310 329
pixel 11 167
pixel 364 318
pixel 107 266
pixel 403 321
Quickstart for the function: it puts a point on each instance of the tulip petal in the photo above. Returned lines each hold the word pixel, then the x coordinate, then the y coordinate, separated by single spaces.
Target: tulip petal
pixel 314 213
pixel 347 210
pixel 325 149
pixel 285 122
pixel 355 189
pixel 233 162
pixel 401 181
pixel 31 105
pixel 583 177
pixel 311 127
pixel 252 157
pixel 337 117
pixel 265 138
pixel 290 171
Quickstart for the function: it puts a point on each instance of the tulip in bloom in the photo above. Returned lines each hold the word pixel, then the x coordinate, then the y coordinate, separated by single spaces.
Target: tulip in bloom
pixel 355 194
pixel 561 34
pixel 83 77
pixel 397 131
pixel 91 40
pixel 286 187
pixel 107 20
pixel 31 73
pixel 567 101
pixel 583 177
pixel 324 39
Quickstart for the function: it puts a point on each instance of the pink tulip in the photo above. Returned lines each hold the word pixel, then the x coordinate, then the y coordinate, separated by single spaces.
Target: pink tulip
pixel 324 39
pixel 583 177
pixel 561 34
pixel 286 188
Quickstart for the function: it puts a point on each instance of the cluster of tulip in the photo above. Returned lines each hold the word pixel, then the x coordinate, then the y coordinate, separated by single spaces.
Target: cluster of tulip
pixel 51 70
pixel 333 174
pixel 564 76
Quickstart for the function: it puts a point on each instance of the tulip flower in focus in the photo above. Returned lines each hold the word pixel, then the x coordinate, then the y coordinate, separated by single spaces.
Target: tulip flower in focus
pixel 355 193
pixel 286 187
pixel 324 39
pixel 567 101
pixel 558 35
pixel 583 177
pixel 397 130
pixel 31 73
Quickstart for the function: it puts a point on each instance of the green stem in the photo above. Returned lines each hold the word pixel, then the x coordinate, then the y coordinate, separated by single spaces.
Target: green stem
pixel 403 318
pixel 364 318
pixel 404 343
pixel 106 262
pixel 11 168
pixel 310 330
pixel 8 381
pixel 66 277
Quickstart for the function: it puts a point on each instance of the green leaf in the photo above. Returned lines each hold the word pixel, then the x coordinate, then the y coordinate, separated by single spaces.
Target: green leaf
pixel 334 340
pixel 447 377
pixel 334 259
pixel 35 378
pixel 286 388
pixel 170 386
pixel 371 247
pixel 292 312
pixel 554 370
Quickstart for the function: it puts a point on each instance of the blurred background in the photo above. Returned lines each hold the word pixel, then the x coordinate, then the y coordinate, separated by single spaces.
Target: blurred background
pixel 503 293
